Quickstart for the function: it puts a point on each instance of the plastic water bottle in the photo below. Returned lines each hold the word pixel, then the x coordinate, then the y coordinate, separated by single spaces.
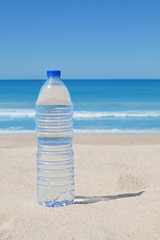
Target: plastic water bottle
pixel 55 164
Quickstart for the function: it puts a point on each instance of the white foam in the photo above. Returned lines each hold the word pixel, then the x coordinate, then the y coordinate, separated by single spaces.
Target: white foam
pixel 87 131
pixel 17 112
pixel 16 131
pixel 116 131
pixel 138 114
pixel 23 113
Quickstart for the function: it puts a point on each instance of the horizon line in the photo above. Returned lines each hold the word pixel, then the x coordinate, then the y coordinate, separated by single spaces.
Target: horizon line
pixel 36 79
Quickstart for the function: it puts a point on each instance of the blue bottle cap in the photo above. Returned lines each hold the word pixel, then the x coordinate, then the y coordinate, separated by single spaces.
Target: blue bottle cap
pixel 53 73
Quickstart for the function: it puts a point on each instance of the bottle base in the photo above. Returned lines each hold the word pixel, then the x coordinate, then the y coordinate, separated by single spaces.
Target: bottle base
pixel 56 204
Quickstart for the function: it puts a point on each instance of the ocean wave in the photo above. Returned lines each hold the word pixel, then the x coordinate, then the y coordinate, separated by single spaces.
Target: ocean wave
pixel 16 131
pixel 138 114
pixel 17 112
pixel 87 131
pixel 30 113
pixel 117 130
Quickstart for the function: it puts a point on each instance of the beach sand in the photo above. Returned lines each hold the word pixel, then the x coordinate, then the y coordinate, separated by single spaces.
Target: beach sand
pixel 117 183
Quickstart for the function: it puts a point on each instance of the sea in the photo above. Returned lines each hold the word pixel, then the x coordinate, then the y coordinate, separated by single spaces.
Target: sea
pixel 100 106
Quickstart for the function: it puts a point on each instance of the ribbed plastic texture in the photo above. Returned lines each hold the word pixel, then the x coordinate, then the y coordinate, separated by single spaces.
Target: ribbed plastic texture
pixel 55 164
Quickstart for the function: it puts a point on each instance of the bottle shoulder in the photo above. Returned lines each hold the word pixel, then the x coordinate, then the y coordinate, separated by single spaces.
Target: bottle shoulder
pixel 54 95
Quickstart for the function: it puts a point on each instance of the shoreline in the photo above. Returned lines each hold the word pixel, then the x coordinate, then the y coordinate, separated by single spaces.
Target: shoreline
pixel 13 140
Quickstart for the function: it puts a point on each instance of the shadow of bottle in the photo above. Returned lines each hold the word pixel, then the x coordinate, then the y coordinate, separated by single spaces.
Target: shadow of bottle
pixel 95 199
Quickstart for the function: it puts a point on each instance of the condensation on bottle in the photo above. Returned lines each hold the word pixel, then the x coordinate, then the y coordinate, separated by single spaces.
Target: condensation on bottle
pixel 54 131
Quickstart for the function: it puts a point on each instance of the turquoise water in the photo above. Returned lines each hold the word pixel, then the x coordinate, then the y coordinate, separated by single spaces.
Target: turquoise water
pixel 99 105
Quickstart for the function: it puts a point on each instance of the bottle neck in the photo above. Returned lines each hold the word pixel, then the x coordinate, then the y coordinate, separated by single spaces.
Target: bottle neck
pixel 54 81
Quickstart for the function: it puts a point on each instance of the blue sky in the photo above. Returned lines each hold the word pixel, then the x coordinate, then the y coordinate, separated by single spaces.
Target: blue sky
pixel 85 38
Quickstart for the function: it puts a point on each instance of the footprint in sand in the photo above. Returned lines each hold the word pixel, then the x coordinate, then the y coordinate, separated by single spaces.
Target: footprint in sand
pixel 130 183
